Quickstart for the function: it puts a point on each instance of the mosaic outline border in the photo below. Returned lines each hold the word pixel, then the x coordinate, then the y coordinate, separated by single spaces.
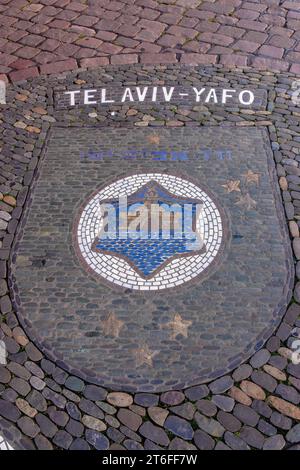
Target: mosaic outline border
pixel 233 362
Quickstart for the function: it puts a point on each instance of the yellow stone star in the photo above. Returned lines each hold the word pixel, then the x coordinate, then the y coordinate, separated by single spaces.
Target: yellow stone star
pixel 232 185
pixel 154 139
pixel 251 177
pixel 112 326
pixel 144 355
pixel 178 326
pixel 246 202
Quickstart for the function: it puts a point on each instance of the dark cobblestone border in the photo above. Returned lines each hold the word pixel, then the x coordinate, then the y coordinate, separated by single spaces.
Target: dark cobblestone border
pixel 42 406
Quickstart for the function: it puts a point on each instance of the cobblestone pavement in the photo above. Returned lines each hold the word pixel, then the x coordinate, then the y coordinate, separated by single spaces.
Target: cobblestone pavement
pixel 45 405
pixel 52 36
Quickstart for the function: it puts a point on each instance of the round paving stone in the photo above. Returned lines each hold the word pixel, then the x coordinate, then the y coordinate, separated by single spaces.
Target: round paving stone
pixel 266 428
pixel 221 385
pixel 179 444
pixel 37 383
pixel 79 444
pixel 187 410
pixel 37 400
pixel 158 415
pixel 93 423
pixel 19 370
pixel 203 441
pixel 280 421
pixel 129 419
pixel 75 428
pixel 223 402
pixel 230 422
pixel 252 390
pixel 20 386
pixel 59 417
pixel 260 358
pixel 9 395
pixel 112 421
pixel 28 426
pixel 206 407
pixel 209 425
pixel 274 443
pixel 33 353
pixel 115 435
pixel 47 427
pixel 5 375
pixel 180 427
pixel 294 434
pixel 34 369
pixel 146 399
pixel 234 442
pixel 196 393
pixel 119 399
pixel 132 445
pixel 97 440
pixel 89 408
pixel 63 439
pixel 73 411
pixel 75 384
pixel 242 372
pixel 24 406
pixel 252 436
pixel 246 414
pixel 9 411
pixel 172 398
pixel 42 443
pixel 154 433
pixel 106 407
pixel 92 392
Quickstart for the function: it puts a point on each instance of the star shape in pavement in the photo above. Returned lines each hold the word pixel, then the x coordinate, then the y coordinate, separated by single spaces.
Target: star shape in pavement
pixel 251 177
pixel 154 139
pixel 232 185
pixel 246 202
pixel 178 326
pixel 112 326
pixel 144 355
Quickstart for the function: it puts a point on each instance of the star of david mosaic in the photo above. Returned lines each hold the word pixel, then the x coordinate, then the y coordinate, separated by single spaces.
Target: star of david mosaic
pixel 150 231
pixel 153 227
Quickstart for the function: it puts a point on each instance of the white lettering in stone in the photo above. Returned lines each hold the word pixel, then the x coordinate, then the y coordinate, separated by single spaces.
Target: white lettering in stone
pixel 154 93
pixel 88 96
pixel 127 95
pixel 168 94
pixel 141 94
pixel 103 97
pixel 250 100
pixel 198 93
pixel 212 94
pixel 227 94
pixel 72 96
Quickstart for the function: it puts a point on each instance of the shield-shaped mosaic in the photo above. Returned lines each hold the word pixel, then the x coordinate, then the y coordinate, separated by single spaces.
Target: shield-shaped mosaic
pixel 153 259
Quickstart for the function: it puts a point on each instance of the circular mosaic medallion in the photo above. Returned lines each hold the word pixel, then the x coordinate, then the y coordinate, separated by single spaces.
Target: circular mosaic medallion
pixel 162 255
